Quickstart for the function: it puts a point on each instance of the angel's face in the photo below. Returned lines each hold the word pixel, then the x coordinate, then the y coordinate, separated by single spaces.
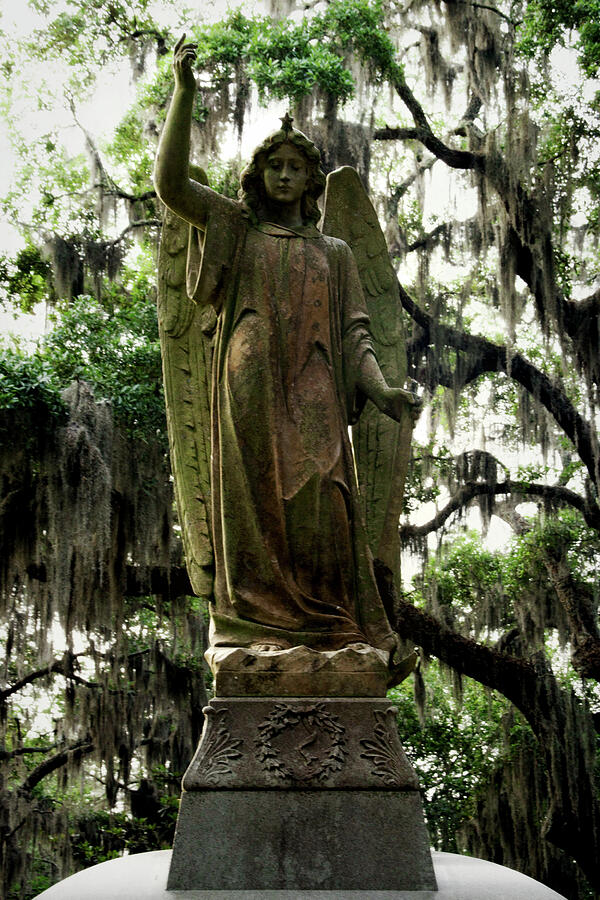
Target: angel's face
pixel 285 175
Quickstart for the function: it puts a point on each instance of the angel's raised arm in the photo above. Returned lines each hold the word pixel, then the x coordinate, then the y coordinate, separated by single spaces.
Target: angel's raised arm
pixel 185 197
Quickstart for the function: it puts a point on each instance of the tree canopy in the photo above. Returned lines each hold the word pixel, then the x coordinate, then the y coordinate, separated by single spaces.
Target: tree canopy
pixel 475 126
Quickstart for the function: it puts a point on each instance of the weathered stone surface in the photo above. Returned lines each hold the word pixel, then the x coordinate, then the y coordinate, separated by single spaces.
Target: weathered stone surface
pixel 301 840
pixel 355 671
pixel 291 743
pixel 270 503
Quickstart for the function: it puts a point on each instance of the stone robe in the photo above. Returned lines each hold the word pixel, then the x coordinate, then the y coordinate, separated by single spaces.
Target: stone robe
pixel 291 558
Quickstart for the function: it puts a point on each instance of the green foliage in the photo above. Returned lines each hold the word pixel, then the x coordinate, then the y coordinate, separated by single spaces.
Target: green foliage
pixel 360 24
pixel 55 183
pixel 283 59
pixel 24 279
pixel 223 46
pixel 131 148
pixel 568 150
pixel 154 95
pixel 421 485
pixel 112 345
pixel 116 350
pixel 465 569
pixel 91 33
pixel 466 585
pixel 40 878
pixel 547 23
pixel 290 60
pixel 224 178
pixel 30 381
pixel 454 749
pixel 484 593
pixel 561 537
pixel 101 836
pixel 297 73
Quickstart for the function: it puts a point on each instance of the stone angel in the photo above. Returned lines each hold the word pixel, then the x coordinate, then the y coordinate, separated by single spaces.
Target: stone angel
pixel 269 355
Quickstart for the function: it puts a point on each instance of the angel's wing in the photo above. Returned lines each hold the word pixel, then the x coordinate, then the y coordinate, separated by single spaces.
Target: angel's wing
pixel 381 446
pixel 185 336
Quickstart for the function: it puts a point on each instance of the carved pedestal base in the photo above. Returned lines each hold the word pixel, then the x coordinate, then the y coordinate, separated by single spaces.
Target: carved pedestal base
pixel 300 794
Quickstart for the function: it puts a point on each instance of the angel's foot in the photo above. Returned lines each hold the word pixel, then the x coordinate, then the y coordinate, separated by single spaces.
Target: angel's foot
pixel 269 646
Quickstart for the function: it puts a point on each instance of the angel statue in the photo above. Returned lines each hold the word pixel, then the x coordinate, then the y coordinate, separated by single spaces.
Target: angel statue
pixel 269 356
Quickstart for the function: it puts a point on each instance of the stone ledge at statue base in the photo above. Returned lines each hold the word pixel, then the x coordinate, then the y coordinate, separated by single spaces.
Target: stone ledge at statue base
pixel 301 840
pixel 354 671
pixel 144 877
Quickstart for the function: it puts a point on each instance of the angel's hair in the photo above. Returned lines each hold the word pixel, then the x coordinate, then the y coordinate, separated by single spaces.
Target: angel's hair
pixel 252 194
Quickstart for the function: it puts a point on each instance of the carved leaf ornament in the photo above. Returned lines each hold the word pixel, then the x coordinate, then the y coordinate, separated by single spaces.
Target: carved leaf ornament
pixel 383 751
pixel 219 748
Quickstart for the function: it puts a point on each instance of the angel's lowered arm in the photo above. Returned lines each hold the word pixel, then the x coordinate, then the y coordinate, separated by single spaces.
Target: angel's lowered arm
pixel 392 401
pixel 185 197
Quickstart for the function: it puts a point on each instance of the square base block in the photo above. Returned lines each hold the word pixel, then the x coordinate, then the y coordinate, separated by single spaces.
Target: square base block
pixel 301 840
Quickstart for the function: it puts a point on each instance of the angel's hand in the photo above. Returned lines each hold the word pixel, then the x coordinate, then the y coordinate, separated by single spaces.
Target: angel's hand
pixel 397 400
pixel 184 56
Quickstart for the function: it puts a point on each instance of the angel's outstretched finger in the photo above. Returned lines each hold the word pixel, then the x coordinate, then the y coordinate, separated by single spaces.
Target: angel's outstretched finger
pixel 184 57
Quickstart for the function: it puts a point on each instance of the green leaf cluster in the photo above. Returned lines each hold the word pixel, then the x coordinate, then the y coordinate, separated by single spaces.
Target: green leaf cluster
pixel 131 148
pixel 24 280
pixel 30 382
pixel 91 33
pixel 117 351
pixel 291 60
pixel 454 749
pixel 101 836
pixel 113 348
pixel 548 23
pixel 468 585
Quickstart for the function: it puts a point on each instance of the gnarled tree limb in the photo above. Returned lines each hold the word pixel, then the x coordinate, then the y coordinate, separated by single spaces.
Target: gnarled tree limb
pixel 62 666
pixel 70 752
pixel 530 685
pixel 557 495
pixel 484 356
pixel 530 229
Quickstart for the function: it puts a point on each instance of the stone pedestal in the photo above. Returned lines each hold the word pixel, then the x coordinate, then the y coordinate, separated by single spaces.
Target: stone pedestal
pixel 290 793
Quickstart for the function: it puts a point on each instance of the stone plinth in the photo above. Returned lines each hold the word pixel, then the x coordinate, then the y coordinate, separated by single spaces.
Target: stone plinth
pixel 301 794
pixel 301 840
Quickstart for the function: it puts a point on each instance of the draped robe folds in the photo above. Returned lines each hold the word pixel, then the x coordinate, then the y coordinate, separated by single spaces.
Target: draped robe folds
pixel 292 563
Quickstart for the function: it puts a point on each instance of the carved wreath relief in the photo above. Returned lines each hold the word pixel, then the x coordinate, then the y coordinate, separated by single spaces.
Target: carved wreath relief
pixel 301 742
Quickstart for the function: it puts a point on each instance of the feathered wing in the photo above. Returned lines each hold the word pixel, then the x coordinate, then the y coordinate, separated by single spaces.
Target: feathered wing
pixel 186 343
pixel 381 446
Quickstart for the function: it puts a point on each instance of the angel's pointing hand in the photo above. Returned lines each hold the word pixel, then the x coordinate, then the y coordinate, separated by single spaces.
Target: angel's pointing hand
pixel 184 56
